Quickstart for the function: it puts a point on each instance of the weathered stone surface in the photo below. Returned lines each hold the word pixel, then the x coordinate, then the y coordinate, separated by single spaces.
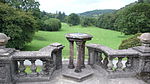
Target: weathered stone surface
pixel 70 74
pixel 97 78
pixel 145 38
pixel 3 39
pixel 80 36
pixel 80 39
pixel 112 52
pixel 31 54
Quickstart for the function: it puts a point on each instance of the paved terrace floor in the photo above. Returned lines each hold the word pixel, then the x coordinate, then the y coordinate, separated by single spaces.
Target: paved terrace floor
pixel 97 78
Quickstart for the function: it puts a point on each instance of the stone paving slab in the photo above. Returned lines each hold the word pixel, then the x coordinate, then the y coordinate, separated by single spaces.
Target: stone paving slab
pixel 72 75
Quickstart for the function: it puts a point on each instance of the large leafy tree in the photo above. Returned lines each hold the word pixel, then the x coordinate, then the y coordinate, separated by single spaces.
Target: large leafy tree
pixel 73 19
pixel 144 1
pixel 25 5
pixel 134 19
pixel 17 24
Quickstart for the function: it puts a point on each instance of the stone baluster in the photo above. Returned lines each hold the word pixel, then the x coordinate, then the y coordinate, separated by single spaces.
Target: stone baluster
pixel 91 59
pixel 33 67
pixel 119 64
pixel 105 62
pixel 100 58
pixel 45 68
pixel 22 68
pixel 128 64
pixel 96 57
pixel 110 64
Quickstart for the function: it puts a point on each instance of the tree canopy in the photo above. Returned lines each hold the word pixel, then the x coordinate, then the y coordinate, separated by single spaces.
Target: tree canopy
pixel 134 19
pixel 73 19
pixel 18 25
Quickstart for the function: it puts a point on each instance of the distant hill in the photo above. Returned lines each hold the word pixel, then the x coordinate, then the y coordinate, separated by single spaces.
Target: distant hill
pixel 95 13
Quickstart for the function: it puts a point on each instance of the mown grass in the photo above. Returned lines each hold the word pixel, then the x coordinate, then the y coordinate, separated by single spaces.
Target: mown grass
pixel 100 36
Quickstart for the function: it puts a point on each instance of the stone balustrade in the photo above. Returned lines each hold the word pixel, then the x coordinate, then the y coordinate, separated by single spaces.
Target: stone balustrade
pixel 51 60
pixel 131 62
pixel 104 56
pixel 50 57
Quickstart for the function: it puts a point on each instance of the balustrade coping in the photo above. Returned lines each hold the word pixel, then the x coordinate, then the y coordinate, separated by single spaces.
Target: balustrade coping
pixel 31 54
pixel 112 52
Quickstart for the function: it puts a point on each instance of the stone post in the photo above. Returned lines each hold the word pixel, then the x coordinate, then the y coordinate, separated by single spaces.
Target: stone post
pixel 71 58
pixel 83 54
pixel 80 56
pixel 5 61
pixel 57 55
pixel 144 54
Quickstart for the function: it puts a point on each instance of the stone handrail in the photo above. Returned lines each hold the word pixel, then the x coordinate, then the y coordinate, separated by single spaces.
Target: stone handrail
pixel 104 57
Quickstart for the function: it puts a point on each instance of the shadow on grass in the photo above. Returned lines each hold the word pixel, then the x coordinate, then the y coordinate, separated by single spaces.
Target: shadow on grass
pixel 123 36
pixel 40 38
pixel 30 48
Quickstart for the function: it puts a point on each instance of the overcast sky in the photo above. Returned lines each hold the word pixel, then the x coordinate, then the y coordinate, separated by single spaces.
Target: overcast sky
pixel 79 6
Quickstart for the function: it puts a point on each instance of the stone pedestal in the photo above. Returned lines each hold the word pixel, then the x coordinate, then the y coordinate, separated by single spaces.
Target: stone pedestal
pixel 80 40
pixel 77 73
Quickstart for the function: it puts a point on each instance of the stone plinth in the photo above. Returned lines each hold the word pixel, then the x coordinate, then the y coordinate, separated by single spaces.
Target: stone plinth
pixel 70 74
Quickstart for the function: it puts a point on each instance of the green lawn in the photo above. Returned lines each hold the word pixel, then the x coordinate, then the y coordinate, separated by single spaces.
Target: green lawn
pixel 100 36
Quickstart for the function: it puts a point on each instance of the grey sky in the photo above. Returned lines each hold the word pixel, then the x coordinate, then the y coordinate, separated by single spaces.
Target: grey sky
pixel 78 6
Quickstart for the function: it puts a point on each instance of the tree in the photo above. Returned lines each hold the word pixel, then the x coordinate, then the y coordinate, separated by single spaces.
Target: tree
pixel 106 21
pixel 88 21
pixel 134 19
pixel 140 1
pixel 61 16
pixel 52 24
pixel 25 5
pixel 18 25
pixel 144 1
pixel 73 19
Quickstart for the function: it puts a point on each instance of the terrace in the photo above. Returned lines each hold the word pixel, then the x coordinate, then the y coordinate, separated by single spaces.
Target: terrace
pixel 104 65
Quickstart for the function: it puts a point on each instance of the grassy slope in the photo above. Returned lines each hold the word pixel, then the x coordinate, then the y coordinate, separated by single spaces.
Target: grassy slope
pixel 101 36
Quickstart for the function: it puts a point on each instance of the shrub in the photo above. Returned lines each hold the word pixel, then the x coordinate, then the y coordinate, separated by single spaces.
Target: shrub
pixel 130 42
pixel 18 25
pixel 52 24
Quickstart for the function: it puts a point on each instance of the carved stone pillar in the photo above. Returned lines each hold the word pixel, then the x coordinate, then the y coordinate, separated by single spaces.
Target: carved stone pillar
pixel 22 68
pixel 45 67
pixel 71 58
pixel 33 67
pixel 83 54
pixel 80 40
pixel 119 64
pixel 100 58
pixel 105 62
pixel 80 55
pixel 110 64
